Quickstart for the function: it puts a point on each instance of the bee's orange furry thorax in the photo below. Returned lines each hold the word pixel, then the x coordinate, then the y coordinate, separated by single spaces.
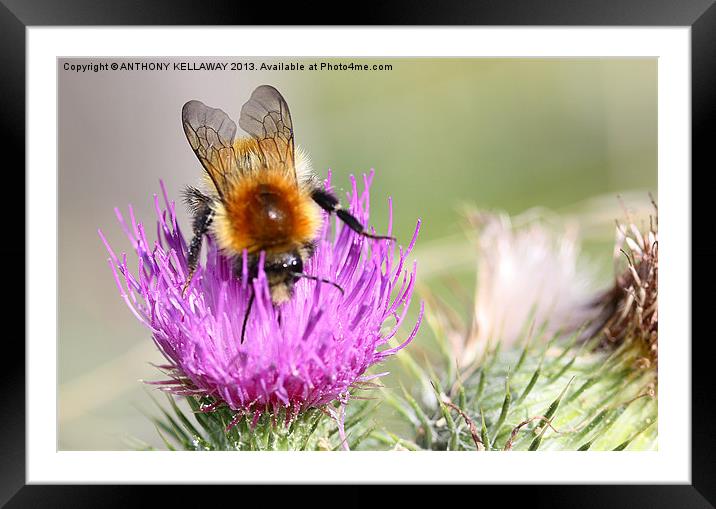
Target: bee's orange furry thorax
pixel 266 211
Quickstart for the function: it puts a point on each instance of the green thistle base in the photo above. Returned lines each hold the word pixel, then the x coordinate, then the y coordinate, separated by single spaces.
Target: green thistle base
pixel 191 429
pixel 559 396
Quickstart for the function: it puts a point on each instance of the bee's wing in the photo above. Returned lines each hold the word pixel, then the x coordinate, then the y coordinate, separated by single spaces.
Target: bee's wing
pixel 266 117
pixel 211 134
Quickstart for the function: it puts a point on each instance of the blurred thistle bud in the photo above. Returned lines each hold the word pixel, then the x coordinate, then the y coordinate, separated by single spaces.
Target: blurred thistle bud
pixel 528 368
pixel 528 272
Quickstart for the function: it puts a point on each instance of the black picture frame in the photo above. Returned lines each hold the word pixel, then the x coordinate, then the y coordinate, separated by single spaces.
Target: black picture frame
pixel 17 15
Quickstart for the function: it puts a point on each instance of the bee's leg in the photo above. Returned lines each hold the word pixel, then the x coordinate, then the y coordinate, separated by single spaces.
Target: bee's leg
pixel 202 221
pixel 246 317
pixel 330 204
pixel 252 263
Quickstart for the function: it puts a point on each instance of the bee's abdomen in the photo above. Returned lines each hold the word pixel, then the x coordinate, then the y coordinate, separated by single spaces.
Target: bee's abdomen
pixel 270 216
pixel 266 212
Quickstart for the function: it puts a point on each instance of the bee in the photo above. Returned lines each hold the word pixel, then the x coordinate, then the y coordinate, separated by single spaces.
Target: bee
pixel 261 194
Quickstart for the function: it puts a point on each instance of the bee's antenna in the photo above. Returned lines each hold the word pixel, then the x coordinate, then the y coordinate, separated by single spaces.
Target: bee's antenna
pixel 320 279
pixel 246 317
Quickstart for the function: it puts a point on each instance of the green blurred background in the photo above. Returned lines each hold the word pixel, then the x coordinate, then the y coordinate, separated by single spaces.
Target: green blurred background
pixel 507 134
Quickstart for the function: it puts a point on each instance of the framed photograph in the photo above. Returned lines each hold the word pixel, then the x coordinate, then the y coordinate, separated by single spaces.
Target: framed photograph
pixel 299 252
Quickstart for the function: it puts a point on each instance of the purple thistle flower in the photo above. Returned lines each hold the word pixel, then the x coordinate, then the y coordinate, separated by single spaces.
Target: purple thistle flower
pixel 305 353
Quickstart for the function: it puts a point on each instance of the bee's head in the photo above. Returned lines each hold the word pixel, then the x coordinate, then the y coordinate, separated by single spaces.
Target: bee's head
pixel 291 263
pixel 282 271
